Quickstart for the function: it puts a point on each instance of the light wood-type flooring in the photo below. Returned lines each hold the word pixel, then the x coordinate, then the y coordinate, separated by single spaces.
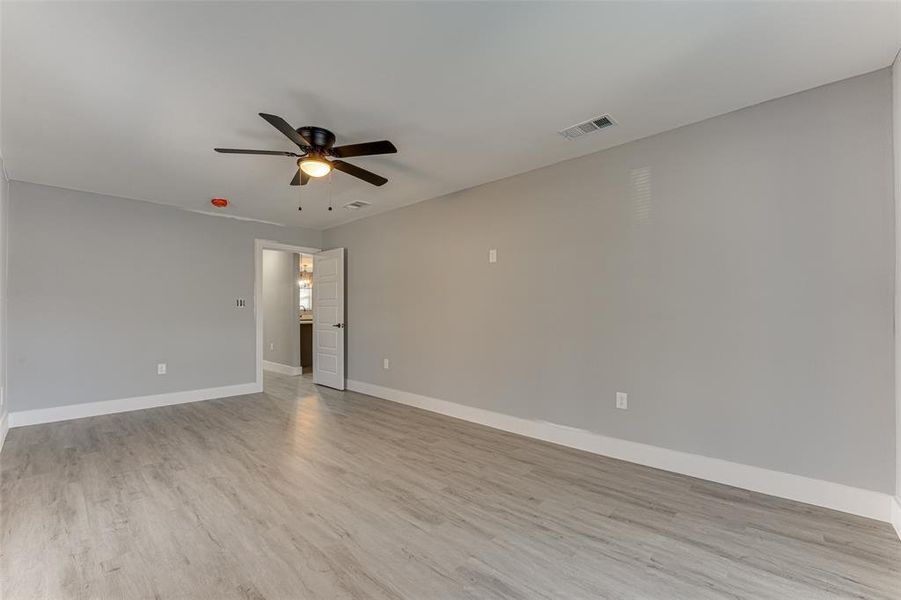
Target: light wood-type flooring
pixel 302 492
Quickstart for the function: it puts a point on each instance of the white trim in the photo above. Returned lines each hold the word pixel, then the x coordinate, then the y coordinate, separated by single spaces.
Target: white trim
pixel 4 427
pixel 231 216
pixel 837 496
pixel 283 369
pixel 258 246
pixel 106 407
pixel 270 245
pixel 896 515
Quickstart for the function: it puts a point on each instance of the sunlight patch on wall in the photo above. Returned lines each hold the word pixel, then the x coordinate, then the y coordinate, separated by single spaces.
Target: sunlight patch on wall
pixel 640 194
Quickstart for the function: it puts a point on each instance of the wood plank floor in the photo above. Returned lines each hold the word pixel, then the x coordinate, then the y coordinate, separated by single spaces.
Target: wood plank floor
pixel 307 493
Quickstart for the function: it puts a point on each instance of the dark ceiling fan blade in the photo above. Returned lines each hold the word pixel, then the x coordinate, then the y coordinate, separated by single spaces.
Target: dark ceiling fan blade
pixel 364 149
pixel 241 151
pixel 300 178
pixel 282 125
pixel 367 176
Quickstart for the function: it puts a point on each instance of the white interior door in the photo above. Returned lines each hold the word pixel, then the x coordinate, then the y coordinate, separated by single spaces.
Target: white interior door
pixel 328 318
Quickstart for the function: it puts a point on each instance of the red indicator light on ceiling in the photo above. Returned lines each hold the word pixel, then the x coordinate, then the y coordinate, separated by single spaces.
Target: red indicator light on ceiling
pixel 219 202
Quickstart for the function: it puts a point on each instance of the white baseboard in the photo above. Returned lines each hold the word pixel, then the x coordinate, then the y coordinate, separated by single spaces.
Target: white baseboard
pixel 896 515
pixel 105 407
pixel 837 496
pixel 4 427
pixel 283 369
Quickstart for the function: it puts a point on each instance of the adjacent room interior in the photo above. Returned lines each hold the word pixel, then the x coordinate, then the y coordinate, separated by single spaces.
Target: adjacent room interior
pixel 438 300
pixel 288 311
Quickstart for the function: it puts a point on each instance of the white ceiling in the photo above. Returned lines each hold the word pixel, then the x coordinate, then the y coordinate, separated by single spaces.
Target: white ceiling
pixel 129 99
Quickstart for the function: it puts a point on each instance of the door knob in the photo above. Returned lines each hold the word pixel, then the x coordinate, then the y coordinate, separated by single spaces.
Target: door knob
pixel 339 325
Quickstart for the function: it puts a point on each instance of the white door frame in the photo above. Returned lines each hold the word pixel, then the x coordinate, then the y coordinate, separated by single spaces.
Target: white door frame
pixel 258 247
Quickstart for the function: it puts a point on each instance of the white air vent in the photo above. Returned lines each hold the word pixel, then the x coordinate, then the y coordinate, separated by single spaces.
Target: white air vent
pixel 595 124
pixel 356 205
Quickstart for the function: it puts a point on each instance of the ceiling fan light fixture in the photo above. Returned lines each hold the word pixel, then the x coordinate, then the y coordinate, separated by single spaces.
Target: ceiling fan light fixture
pixel 314 166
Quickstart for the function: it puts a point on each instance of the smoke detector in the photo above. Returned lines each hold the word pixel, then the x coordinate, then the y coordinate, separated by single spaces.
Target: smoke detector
pixel 589 126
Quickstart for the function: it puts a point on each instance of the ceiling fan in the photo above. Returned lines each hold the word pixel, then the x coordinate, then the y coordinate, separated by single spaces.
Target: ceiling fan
pixel 318 147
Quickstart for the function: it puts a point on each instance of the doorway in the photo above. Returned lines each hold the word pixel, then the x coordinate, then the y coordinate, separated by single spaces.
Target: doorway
pixel 305 329
pixel 283 306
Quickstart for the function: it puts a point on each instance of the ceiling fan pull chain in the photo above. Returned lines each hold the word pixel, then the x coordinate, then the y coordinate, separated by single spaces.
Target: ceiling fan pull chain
pixel 330 190
pixel 300 197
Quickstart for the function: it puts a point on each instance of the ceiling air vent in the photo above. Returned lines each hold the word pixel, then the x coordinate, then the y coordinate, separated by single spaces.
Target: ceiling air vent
pixel 595 124
pixel 356 205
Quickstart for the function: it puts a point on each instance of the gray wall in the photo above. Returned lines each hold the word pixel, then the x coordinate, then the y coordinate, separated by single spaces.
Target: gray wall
pixel 281 332
pixel 734 276
pixel 896 113
pixel 101 289
pixel 4 204
pixel 4 229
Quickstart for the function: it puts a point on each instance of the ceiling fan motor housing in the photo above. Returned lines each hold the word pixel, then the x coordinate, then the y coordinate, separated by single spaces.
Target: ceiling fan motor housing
pixel 321 138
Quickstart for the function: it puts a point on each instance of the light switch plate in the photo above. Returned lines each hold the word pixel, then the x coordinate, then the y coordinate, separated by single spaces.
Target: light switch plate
pixel 622 400
pixel 492 255
pixel 161 369
pixel 386 364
